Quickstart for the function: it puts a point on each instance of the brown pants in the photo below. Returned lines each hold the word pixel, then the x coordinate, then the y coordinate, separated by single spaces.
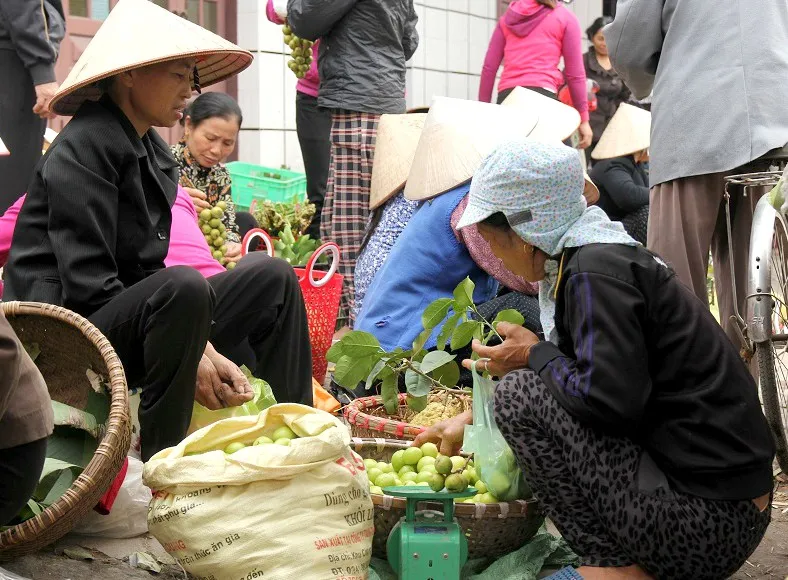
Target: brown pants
pixel 686 219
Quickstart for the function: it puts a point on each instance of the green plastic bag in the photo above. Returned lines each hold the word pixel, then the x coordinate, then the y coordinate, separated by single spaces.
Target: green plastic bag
pixel 263 398
pixel 493 458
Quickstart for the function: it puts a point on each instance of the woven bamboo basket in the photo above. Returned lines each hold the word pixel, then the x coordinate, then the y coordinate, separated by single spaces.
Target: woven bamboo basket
pixel 492 530
pixel 69 346
pixel 368 418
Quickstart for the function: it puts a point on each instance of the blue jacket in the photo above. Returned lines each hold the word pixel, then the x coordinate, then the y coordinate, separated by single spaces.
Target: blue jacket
pixel 425 264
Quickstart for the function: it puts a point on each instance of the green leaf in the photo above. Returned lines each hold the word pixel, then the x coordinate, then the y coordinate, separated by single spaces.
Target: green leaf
pixel 511 316
pixel 436 312
pixel 390 395
pixel 435 359
pixel 464 334
pixel 416 384
pixel 421 340
pixel 448 375
pixel 448 330
pixel 336 352
pixel 351 371
pixel 417 404
pixel 398 354
pixel 463 294
pixel 359 344
pixel 373 374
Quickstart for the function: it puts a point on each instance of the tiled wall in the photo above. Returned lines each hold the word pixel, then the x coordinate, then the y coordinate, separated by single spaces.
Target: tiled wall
pixel 454 36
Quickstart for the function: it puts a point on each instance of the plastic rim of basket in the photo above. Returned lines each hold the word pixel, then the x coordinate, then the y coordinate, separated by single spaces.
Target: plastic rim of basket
pixel 310 265
pixel 257 234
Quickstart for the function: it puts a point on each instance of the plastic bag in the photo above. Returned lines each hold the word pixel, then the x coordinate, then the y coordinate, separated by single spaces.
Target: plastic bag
pixel 129 515
pixel 263 398
pixel 6 575
pixel 495 463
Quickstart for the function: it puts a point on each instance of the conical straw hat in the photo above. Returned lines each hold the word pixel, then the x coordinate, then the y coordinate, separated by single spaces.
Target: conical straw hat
pixel 395 145
pixel 628 132
pixel 138 33
pixel 457 136
pixel 556 121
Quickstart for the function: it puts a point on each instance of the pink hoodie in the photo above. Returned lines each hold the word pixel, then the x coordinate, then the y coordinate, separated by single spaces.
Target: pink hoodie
pixel 310 84
pixel 187 244
pixel 530 39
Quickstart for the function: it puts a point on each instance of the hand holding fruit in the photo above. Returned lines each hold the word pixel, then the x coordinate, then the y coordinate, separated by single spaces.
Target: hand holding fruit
pixel 509 356
pixel 233 252
pixel 236 389
pixel 199 198
pixel 448 434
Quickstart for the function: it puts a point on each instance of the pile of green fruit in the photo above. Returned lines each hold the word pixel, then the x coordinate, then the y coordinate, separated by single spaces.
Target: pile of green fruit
pixel 295 252
pixel 426 467
pixel 300 52
pixel 281 436
pixel 210 222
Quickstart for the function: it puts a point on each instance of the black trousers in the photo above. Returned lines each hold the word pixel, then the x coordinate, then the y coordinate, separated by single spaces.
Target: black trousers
pixel 313 125
pixel 21 129
pixel 505 93
pixel 20 468
pixel 159 327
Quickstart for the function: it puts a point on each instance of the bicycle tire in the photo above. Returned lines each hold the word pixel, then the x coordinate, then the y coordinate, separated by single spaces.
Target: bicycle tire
pixel 771 401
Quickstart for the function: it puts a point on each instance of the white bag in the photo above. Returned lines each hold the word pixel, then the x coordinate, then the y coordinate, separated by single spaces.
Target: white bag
pixel 129 515
pixel 266 511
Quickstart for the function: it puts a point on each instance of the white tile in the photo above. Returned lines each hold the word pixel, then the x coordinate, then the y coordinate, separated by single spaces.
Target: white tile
pixel 492 9
pixel 436 3
pixel 458 86
pixel 418 57
pixel 271 90
pixel 293 158
pixel 249 6
pixel 249 146
pixel 435 84
pixel 478 41
pixel 248 36
pixel 457 59
pixel 272 148
pixel 473 87
pixel 290 100
pixel 437 38
pixel 271 38
pixel 458 5
pixel 478 7
pixel 249 94
pixel 414 92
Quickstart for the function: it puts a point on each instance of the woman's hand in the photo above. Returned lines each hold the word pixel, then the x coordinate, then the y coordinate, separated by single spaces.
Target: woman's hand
pixel 509 356
pixel 447 435
pixel 586 135
pixel 220 383
pixel 199 198
pixel 233 253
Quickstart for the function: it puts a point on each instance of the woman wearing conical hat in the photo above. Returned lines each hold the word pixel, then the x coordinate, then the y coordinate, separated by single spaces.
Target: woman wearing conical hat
pixel 620 172
pixel 94 230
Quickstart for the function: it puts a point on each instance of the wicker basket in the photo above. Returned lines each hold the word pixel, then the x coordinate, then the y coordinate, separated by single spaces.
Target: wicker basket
pixel 69 345
pixel 368 418
pixel 492 530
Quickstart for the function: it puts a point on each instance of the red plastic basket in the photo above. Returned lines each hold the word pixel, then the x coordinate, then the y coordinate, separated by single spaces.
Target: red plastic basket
pixel 321 298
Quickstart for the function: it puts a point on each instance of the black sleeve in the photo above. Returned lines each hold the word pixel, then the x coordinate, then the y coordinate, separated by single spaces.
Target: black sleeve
pixel 80 180
pixel 312 19
pixel 622 189
pixel 411 40
pixel 606 384
pixel 27 27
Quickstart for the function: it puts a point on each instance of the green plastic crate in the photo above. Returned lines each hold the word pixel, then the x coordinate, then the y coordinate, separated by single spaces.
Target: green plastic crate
pixel 252 182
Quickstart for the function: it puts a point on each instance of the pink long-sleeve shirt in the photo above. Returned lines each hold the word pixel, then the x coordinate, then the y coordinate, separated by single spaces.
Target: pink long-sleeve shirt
pixel 530 40
pixel 187 243
pixel 310 84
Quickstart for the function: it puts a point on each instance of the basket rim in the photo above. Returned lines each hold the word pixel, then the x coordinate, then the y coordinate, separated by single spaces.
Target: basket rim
pixel 118 425
pixel 520 508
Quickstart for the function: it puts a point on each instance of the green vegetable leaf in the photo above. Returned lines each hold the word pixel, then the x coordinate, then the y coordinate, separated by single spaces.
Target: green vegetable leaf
pixel 335 352
pixel 435 359
pixel 390 394
pixel 421 340
pixel 463 335
pixel 416 384
pixel 359 344
pixel 511 316
pixel 373 374
pixel 436 312
pixel 351 371
pixel 463 294
pixel 448 375
pixel 448 330
pixel 417 404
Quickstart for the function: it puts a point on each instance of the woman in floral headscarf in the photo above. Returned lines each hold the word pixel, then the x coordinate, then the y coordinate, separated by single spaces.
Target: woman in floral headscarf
pixel 636 424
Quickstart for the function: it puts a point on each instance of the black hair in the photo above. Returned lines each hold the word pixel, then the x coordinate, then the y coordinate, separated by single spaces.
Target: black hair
pixel 210 105
pixel 597 25
pixel 497 220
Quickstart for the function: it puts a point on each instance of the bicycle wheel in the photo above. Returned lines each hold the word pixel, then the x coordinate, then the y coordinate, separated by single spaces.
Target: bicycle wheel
pixel 773 354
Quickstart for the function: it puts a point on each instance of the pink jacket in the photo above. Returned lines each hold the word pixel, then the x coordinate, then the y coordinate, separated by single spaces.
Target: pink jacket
pixel 530 39
pixel 310 84
pixel 187 243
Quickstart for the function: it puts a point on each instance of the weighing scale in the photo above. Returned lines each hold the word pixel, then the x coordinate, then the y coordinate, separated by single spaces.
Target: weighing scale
pixel 427 545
